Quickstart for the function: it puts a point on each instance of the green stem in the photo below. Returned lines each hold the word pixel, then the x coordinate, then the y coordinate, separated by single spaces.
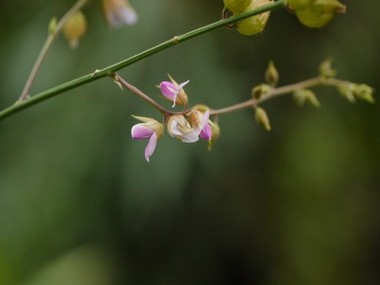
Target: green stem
pixel 110 70
pixel 45 48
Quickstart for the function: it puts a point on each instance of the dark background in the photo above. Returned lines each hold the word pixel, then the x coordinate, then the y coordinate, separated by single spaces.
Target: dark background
pixel 80 205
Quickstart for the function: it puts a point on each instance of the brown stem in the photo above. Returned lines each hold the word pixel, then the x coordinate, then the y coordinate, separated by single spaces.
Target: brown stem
pixel 271 94
pixel 141 94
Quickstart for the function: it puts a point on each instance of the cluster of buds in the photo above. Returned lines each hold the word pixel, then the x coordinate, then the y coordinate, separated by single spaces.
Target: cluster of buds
pixel 251 25
pixel 188 126
pixel 116 14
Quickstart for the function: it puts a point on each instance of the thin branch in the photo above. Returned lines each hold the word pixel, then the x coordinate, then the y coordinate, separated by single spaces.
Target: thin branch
pixel 45 48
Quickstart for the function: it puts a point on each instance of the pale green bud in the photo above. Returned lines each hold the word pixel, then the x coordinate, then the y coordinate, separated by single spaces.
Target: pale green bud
pixel 271 74
pixel 326 70
pixel 303 96
pixel 52 27
pixel 236 6
pixel 262 118
pixel 364 92
pixel 260 90
pixel 351 91
pixel 345 90
pixel 254 24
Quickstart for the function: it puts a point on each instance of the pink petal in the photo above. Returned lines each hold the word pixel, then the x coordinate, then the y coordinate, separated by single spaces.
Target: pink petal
pixel 151 146
pixel 168 89
pixel 206 132
pixel 139 131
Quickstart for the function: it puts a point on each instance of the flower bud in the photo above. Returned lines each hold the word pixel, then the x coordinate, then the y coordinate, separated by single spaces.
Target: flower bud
pixel 364 92
pixel 316 13
pixel 52 27
pixel 326 70
pixel 262 118
pixel 303 96
pixel 74 28
pixel 260 90
pixel 254 24
pixel 345 89
pixel 236 6
pixel 174 92
pixel 271 74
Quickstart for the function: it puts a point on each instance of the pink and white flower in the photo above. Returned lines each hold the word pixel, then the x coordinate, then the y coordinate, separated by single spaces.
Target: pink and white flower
pixel 190 127
pixel 174 92
pixel 150 129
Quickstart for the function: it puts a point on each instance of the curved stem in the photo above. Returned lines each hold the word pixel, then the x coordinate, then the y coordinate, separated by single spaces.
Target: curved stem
pixel 108 71
pixel 45 48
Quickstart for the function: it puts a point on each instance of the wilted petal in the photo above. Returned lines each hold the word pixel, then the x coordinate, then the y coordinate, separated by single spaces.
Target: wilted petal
pixel 179 127
pixel 190 136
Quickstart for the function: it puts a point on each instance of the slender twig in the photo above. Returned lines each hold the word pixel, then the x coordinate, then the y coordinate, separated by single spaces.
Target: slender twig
pixel 313 82
pixel 107 71
pixel 141 94
pixel 45 48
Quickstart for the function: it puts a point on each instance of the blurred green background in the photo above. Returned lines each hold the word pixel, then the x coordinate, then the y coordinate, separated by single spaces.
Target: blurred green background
pixel 79 204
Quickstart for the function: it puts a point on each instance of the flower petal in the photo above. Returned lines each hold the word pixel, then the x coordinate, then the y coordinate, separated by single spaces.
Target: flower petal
pixel 206 132
pixel 140 131
pixel 151 146
pixel 168 89
pixel 181 85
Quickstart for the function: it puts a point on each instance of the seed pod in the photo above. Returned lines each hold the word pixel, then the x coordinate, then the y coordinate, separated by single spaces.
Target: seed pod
pixel 254 24
pixel 316 14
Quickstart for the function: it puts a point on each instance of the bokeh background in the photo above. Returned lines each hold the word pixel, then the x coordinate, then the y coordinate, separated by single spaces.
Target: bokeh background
pixel 297 205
